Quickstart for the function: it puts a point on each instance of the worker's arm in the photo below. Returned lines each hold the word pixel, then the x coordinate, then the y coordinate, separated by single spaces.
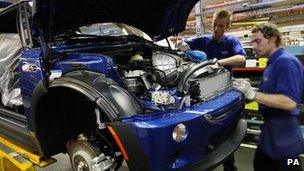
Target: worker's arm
pixel 236 60
pixel 238 53
pixel 277 101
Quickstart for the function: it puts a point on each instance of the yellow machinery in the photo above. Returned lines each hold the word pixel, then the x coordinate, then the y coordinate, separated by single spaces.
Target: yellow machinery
pixel 9 161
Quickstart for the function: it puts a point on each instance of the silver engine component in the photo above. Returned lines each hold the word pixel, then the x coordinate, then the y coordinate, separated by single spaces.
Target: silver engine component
pixel 136 81
pixel 102 162
pixel 214 84
pixel 162 98
pixel 166 66
pixel 135 73
pixel 165 62
pixel 100 124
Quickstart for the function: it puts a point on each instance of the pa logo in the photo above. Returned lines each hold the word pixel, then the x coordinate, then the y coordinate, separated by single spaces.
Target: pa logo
pixel 293 162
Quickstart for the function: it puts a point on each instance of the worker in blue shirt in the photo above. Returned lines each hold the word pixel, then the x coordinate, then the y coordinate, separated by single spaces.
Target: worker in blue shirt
pixel 279 95
pixel 226 48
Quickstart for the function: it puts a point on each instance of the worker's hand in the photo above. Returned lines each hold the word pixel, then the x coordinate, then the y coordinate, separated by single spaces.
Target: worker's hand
pixel 216 66
pixel 244 86
pixel 183 46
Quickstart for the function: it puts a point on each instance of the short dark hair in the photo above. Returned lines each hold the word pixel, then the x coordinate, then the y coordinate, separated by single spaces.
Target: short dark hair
pixel 269 31
pixel 223 13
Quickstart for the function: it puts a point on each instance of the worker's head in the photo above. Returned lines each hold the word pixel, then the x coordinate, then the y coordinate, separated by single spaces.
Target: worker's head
pixel 221 21
pixel 265 38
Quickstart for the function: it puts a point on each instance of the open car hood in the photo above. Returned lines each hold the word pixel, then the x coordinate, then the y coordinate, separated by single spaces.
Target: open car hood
pixel 4 4
pixel 158 18
pixel 8 17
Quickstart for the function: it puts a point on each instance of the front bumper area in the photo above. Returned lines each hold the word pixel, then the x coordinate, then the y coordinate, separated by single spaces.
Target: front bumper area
pixel 216 157
pixel 150 146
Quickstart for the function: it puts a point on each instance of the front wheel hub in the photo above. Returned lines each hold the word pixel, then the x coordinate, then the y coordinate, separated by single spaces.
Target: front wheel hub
pixel 86 157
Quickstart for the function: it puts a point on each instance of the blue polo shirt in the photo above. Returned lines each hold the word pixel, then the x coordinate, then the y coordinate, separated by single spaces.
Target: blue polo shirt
pixel 281 135
pixel 229 46
pixel 283 75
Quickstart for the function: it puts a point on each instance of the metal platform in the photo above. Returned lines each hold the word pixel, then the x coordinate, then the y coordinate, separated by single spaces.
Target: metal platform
pixel 14 158
pixel 9 163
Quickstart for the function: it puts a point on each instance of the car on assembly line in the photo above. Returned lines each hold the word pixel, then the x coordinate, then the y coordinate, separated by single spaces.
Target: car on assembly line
pixel 86 78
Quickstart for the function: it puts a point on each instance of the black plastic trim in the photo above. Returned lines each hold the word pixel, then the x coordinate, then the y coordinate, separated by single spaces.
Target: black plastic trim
pixel 11 114
pixel 20 136
pixel 96 87
pixel 8 17
pixel 216 157
pixel 137 158
pixel 115 101
pixel 220 115
pixel 37 94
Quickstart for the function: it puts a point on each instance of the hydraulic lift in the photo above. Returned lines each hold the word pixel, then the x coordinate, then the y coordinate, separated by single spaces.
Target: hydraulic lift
pixel 14 158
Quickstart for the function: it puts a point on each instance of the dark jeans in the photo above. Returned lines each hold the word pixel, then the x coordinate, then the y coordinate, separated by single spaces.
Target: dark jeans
pixel 229 164
pixel 262 162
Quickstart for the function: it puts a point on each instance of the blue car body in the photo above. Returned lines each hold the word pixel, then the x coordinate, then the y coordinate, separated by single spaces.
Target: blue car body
pixel 214 125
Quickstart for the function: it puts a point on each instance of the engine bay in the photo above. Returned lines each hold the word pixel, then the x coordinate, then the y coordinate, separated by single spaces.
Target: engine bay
pixel 160 78
pixel 162 81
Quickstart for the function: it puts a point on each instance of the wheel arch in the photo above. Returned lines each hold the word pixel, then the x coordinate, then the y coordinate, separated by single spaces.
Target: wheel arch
pixel 52 122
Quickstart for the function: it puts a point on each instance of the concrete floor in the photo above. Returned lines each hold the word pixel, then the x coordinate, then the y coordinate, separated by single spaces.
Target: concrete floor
pixel 243 159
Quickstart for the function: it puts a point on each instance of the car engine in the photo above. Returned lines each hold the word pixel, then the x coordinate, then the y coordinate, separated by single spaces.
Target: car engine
pixel 167 81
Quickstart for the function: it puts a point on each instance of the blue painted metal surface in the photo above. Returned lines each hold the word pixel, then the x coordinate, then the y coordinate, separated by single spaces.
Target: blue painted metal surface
pixel 155 132
pixel 90 62
pixel 29 79
pixel 76 61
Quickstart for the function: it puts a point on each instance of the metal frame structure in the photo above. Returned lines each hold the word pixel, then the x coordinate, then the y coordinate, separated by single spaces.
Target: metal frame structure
pixel 9 162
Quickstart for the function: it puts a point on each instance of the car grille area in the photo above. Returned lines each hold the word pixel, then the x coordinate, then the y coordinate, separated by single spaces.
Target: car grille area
pixel 214 85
